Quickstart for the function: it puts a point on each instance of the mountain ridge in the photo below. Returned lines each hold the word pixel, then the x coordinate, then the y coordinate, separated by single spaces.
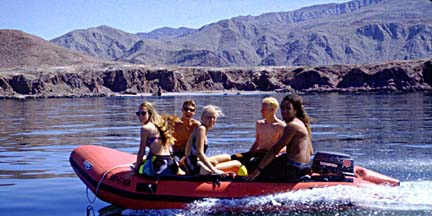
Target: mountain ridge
pixel 165 33
pixel 19 49
pixel 331 54
pixel 355 32
pixel 103 41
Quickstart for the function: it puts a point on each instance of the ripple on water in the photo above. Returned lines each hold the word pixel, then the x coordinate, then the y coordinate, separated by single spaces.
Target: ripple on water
pixel 419 146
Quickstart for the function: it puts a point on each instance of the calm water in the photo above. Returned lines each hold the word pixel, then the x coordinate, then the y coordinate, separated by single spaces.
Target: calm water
pixel 391 134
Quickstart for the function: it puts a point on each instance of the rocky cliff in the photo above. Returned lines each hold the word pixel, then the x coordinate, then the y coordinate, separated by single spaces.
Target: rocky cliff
pixel 115 79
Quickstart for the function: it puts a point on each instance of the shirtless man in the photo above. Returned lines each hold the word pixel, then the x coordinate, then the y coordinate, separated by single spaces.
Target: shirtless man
pixel 296 137
pixel 268 131
pixel 184 128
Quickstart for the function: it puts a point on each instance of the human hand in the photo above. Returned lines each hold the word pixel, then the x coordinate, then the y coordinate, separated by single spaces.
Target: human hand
pixel 223 174
pixel 213 162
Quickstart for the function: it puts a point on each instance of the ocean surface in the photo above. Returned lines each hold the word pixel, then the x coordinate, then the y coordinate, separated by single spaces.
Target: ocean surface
pixel 391 134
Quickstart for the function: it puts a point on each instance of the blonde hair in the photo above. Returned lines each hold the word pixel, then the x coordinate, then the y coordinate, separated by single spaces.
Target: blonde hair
pixel 161 123
pixel 272 102
pixel 211 109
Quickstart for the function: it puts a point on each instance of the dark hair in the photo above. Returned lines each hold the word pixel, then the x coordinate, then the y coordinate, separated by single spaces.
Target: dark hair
pixel 189 102
pixel 297 103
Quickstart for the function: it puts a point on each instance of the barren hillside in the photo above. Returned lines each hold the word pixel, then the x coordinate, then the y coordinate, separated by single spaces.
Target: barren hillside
pixel 18 49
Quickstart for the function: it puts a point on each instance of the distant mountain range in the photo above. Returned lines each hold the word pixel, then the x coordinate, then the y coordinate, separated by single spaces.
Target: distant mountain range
pixel 166 33
pixel 355 32
pixel 97 61
pixel 377 34
pixel 19 49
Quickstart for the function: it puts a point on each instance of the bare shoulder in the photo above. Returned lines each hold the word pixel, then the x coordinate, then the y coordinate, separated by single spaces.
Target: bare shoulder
pixel 293 126
pixel 145 127
pixel 201 129
pixel 195 122
pixel 147 130
pixel 148 126
pixel 178 124
pixel 297 126
pixel 280 123
pixel 260 122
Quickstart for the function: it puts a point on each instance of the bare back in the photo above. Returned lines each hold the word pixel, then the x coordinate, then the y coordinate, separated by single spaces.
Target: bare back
pixel 151 135
pixel 299 146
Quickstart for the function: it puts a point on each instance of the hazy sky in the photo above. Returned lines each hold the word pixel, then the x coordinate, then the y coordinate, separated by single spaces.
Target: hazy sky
pixel 52 18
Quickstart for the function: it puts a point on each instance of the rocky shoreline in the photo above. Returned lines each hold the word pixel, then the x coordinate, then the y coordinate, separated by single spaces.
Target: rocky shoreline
pixel 113 79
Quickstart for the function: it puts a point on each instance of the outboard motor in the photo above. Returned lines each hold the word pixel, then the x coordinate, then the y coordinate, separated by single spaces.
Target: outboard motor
pixel 333 163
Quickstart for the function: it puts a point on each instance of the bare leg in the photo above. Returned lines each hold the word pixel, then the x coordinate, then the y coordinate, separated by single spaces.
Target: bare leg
pixel 216 159
pixel 180 172
pixel 203 169
pixel 229 166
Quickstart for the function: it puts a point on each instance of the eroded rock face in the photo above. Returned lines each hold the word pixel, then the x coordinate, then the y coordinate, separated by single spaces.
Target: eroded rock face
pixel 308 79
pixel 427 72
pixel 103 80
pixel 21 84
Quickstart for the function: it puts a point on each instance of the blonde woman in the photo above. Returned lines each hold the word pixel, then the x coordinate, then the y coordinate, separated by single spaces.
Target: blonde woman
pixel 156 135
pixel 196 161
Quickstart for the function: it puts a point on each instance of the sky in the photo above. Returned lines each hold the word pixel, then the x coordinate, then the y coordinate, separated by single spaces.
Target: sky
pixel 53 18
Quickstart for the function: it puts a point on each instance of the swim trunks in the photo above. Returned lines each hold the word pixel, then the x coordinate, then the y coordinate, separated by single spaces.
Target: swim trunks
pixel 283 168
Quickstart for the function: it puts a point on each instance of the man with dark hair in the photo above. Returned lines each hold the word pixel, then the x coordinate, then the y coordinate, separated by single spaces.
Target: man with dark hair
pixel 296 137
pixel 184 127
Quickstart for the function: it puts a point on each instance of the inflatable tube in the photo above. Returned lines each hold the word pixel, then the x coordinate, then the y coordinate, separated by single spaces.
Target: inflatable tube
pixel 109 174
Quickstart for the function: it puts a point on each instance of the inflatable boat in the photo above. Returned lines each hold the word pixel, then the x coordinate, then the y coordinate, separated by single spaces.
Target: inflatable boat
pixel 109 174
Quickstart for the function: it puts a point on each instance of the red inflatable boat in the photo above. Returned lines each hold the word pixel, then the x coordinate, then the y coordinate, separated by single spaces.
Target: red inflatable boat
pixel 108 173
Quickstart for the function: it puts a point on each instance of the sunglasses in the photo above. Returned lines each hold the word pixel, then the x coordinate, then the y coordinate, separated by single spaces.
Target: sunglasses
pixel 141 113
pixel 188 109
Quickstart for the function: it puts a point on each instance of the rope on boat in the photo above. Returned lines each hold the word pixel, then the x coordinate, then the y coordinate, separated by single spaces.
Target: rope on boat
pixel 100 182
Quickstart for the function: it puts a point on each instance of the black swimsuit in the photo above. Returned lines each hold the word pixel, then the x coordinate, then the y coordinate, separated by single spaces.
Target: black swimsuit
pixel 191 166
pixel 158 165
pixel 249 159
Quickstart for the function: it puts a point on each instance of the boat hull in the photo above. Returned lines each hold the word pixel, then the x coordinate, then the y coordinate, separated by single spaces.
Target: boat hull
pixel 109 174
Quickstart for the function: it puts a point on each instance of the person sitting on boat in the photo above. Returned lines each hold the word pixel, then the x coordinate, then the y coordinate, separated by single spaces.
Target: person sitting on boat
pixel 268 131
pixel 196 161
pixel 183 128
pixel 156 135
pixel 296 137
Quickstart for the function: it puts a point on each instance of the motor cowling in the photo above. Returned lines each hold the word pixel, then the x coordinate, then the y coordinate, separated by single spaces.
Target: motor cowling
pixel 333 163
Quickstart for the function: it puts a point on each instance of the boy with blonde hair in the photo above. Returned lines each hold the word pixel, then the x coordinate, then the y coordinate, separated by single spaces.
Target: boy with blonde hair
pixel 268 132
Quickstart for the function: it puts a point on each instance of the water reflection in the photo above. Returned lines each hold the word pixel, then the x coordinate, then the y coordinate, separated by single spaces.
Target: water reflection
pixel 388 133
pixel 365 126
